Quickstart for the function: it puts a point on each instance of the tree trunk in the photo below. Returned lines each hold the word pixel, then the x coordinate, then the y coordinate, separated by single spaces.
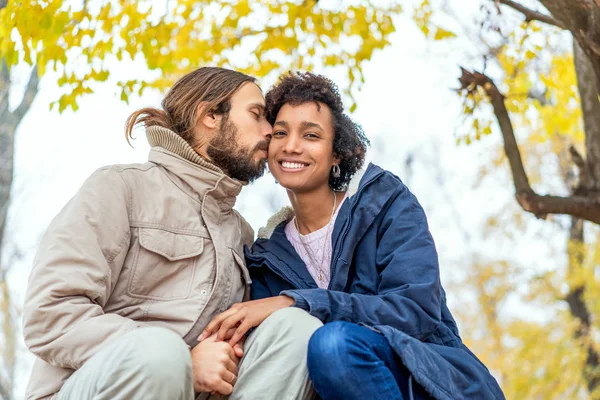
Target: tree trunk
pixel 9 122
pixel 590 107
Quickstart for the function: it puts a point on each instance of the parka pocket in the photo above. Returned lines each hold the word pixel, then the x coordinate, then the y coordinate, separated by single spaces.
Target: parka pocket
pixel 245 274
pixel 242 266
pixel 164 265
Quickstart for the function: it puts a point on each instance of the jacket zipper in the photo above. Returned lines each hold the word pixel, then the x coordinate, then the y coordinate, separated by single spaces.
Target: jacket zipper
pixel 347 229
pixel 278 272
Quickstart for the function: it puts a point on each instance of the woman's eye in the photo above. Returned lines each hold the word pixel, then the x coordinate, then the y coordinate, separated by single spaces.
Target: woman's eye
pixel 278 133
pixel 312 135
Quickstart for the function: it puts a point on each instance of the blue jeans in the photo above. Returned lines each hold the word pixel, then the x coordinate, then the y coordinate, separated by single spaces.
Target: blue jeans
pixel 348 361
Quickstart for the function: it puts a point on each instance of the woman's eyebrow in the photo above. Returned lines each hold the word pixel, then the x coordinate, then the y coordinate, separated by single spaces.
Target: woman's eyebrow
pixel 309 124
pixel 282 123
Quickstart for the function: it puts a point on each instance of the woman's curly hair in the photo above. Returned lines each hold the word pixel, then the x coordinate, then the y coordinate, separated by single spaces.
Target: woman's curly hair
pixel 349 144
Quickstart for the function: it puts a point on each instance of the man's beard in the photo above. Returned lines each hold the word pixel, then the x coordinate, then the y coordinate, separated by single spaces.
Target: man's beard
pixel 236 161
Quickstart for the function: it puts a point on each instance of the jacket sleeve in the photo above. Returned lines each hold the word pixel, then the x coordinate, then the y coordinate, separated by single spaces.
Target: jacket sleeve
pixel 76 267
pixel 408 294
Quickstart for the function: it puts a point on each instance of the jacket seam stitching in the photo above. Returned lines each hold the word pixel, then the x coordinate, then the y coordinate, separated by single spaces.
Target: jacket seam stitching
pixel 123 241
pixel 144 167
pixel 142 224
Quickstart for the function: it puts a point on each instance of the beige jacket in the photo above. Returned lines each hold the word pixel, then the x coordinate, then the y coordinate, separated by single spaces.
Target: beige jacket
pixel 156 244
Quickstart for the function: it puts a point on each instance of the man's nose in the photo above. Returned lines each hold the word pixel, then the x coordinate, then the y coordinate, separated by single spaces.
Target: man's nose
pixel 267 131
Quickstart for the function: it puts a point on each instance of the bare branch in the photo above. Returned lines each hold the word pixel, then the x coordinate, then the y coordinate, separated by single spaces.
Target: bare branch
pixel 4 90
pixel 30 92
pixel 531 15
pixel 4 393
pixel 470 81
pixel 586 206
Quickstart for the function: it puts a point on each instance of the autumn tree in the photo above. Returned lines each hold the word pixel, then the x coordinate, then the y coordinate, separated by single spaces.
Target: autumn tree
pixel 83 43
pixel 535 82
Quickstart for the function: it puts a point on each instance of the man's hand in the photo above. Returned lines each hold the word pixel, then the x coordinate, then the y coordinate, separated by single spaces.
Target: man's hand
pixel 214 366
pixel 243 316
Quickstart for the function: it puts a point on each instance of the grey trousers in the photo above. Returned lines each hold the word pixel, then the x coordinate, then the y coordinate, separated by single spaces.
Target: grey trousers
pixel 155 363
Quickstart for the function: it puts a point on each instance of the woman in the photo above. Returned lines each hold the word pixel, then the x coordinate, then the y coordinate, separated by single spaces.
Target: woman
pixel 354 250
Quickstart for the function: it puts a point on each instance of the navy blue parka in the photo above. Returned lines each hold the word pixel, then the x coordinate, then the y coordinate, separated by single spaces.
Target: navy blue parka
pixel 384 275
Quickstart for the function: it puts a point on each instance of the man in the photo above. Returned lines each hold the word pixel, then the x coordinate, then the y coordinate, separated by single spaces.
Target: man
pixel 139 261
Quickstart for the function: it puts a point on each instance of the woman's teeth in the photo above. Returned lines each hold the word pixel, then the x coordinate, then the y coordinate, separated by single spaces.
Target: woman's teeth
pixel 292 165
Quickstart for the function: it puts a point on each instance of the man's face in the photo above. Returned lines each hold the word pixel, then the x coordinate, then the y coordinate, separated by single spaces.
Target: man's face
pixel 240 146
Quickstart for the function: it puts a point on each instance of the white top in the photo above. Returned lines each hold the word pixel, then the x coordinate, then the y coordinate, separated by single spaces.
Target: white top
pixel 315 248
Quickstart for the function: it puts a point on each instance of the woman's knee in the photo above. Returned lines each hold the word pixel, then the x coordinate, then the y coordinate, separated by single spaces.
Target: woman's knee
pixel 330 337
pixel 329 344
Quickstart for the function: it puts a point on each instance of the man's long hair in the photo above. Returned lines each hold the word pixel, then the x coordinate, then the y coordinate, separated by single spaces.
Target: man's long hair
pixel 180 107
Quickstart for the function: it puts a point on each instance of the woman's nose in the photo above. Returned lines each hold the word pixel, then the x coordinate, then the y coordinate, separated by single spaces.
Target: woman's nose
pixel 292 144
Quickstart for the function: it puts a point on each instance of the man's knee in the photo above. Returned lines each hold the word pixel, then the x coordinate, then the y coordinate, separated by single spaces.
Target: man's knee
pixel 162 354
pixel 286 332
pixel 290 324
pixel 274 364
pixel 147 363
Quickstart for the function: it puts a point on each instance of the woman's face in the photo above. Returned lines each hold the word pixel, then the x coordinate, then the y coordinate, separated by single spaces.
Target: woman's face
pixel 301 149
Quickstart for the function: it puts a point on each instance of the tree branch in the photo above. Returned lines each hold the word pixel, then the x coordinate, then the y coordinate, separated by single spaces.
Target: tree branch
pixel 30 92
pixel 4 393
pixel 4 89
pixel 531 15
pixel 470 82
pixel 585 206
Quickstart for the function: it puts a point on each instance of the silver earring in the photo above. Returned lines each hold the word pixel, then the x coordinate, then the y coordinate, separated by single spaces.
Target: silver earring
pixel 336 171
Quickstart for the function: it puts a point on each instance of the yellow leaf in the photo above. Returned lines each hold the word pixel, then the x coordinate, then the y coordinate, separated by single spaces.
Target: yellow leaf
pixel 441 34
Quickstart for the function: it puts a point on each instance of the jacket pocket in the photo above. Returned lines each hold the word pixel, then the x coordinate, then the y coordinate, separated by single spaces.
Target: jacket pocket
pixel 165 264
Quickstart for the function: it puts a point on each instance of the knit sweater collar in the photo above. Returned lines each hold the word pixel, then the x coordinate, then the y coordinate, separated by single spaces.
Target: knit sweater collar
pixel 169 140
pixel 198 176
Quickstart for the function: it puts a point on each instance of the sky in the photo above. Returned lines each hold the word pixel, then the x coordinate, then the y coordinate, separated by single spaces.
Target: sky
pixel 407 108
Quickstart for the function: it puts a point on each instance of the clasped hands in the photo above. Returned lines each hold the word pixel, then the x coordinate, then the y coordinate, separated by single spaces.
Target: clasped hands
pixel 216 358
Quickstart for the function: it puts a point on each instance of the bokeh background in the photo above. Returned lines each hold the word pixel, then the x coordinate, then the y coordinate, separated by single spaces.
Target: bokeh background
pixel 487 109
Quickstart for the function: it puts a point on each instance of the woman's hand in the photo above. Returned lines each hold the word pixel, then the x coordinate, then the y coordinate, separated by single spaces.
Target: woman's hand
pixel 243 316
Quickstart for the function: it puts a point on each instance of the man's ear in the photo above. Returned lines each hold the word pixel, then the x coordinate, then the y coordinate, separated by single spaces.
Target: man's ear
pixel 210 120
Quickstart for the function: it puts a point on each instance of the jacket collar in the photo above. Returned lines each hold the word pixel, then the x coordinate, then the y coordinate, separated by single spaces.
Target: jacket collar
pixel 286 214
pixel 369 192
pixel 195 176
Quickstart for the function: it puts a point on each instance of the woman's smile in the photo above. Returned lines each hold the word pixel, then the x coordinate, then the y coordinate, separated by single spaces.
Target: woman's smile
pixel 292 166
